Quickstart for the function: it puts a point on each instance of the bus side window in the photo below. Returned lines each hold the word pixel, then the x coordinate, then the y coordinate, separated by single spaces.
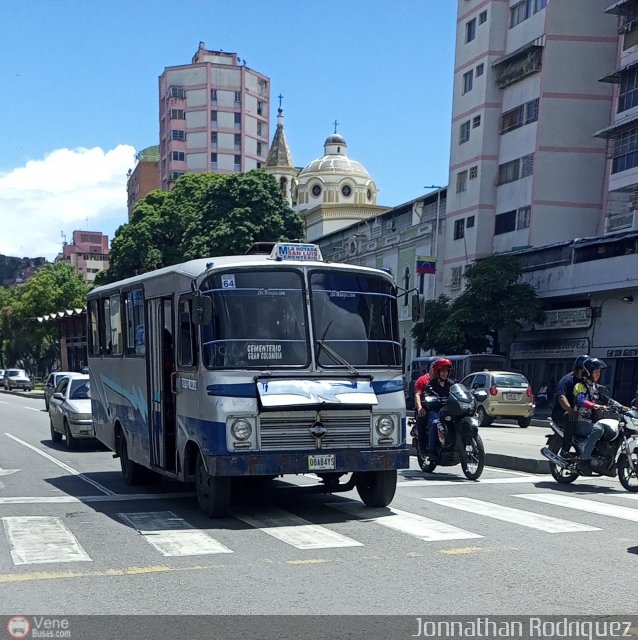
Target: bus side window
pixel 94 335
pixel 187 350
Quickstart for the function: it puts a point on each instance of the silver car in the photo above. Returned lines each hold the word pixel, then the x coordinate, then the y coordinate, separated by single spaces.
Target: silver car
pixel 52 382
pixel 17 379
pixel 70 410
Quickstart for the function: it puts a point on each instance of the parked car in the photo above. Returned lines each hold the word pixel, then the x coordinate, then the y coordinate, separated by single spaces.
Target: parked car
pixel 509 396
pixel 70 410
pixel 17 379
pixel 52 382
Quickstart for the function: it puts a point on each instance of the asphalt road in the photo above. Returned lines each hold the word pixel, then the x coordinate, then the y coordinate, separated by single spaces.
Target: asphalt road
pixel 75 540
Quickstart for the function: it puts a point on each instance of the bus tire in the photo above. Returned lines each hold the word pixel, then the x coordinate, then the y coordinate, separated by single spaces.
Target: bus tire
pixel 376 488
pixel 213 492
pixel 132 472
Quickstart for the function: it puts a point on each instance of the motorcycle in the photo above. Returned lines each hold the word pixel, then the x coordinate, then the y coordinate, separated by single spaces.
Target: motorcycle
pixel 457 432
pixel 615 453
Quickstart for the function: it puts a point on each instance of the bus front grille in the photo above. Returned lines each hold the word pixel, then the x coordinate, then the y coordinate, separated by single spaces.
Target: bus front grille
pixel 292 432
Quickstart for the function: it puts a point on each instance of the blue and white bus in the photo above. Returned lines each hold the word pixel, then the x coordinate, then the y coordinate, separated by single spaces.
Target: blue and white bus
pixel 255 365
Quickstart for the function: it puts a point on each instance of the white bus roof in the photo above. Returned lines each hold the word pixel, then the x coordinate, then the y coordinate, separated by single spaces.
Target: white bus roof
pixel 193 269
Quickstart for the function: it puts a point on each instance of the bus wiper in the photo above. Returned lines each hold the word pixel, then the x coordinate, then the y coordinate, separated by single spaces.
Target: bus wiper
pixel 333 354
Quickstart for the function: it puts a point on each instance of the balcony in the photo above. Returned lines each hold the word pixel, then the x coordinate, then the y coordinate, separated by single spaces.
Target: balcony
pixel 517 65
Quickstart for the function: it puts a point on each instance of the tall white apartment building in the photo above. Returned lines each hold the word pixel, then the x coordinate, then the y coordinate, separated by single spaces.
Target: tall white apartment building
pixel 525 167
pixel 622 133
pixel 214 116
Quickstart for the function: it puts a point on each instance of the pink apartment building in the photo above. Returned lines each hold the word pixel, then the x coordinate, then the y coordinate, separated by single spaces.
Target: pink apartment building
pixel 214 116
pixel 88 253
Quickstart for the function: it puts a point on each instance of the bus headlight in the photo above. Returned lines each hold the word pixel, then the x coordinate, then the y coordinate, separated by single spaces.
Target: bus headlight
pixel 384 425
pixel 241 429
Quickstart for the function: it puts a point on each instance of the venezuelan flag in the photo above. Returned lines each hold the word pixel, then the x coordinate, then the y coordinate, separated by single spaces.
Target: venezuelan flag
pixel 426 264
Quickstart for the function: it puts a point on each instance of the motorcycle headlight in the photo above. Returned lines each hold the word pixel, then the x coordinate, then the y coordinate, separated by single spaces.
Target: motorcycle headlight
pixel 241 429
pixel 384 425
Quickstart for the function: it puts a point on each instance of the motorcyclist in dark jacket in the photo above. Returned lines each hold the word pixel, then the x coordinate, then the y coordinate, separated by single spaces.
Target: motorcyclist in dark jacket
pixel 439 386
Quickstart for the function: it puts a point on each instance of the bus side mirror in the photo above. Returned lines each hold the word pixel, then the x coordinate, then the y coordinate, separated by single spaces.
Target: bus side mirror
pixel 202 309
pixel 417 308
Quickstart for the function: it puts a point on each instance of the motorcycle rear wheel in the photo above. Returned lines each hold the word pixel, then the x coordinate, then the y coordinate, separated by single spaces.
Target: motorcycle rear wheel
pixel 473 460
pixel 562 476
pixel 626 475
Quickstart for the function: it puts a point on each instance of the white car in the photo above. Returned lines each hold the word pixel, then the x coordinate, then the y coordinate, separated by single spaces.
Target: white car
pixel 17 379
pixel 70 410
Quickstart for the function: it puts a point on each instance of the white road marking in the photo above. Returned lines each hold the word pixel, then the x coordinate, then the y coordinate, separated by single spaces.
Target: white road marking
pixel 61 464
pixel 3 402
pixel 32 409
pixel 171 535
pixel 293 530
pixel 7 472
pixel 465 483
pixel 115 497
pixel 589 506
pixel 514 516
pixel 405 522
pixel 42 539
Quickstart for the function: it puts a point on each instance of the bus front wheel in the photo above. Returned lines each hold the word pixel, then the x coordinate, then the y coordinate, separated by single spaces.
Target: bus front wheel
pixel 213 492
pixel 376 488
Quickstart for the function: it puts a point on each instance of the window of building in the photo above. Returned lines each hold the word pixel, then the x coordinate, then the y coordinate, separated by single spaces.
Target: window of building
pixel 178 114
pixel 259 149
pixel 476 122
pixel 178 156
pixel 519 116
pixel 461 181
pixel 238 121
pixel 237 163
pixel 260 108
pixel 523 10
pixel 470 30
pixel 505 222
pixel 177 134
pixel 259 165
pixel 176 174
pixel 213 95
pixel 509 171
pixel 456 273
pixel 624 151
pixel 468 79
pixel 237 141
pixel 628 96
pixel 473 172
pixel 531 111
pixel 522 218
pixel 406 285
pixel 469 223
pixel 482 17
pixel 459 229
pixel 213 160
pixel 237 97
pixel 464 132
pixel 213 117
pixel 176 92
pixel 527 165
pixel 479 69
pixel 213 138
pixel 258 127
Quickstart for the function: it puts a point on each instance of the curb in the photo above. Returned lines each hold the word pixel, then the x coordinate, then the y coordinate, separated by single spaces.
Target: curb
pixel 36 395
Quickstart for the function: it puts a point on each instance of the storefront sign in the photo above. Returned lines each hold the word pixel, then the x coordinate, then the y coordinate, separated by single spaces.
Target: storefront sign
pixel 577 318
pixel 549 349
pixel 622 353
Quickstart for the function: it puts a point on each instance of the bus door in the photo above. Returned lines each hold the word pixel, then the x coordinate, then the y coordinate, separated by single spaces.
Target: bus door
pixel 162 393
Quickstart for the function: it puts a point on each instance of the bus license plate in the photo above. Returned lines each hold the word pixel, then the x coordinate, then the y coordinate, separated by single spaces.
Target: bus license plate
pixel 321 462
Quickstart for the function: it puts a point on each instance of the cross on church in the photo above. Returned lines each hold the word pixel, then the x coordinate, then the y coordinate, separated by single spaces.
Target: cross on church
pixel 335 123
pixel 280 99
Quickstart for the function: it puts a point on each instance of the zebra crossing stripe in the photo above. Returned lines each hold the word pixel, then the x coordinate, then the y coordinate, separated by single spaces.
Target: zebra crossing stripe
pixel 589 506
pixel 171 535
pixel 406 522
pixel 514 516
pixel 293 530
pixel 42 539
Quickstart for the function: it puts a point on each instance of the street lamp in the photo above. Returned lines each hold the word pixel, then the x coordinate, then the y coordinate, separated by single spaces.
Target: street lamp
pixel 436 232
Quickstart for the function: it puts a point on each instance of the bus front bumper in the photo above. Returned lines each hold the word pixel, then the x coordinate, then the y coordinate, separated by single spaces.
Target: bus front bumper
pixel 344 461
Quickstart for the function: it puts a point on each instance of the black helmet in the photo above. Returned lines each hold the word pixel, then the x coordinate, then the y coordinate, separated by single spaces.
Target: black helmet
pixel 578 363
pixel 592 363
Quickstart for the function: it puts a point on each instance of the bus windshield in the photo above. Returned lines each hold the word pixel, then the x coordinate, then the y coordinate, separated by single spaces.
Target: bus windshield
pixel 258 320
pixel 353 314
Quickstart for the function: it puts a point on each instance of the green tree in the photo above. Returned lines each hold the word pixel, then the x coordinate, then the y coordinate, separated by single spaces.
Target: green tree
pixel 25 341
pixel 203 215
pixel 494 300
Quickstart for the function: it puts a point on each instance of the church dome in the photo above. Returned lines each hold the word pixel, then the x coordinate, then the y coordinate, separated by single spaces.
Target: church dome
pixel 335 161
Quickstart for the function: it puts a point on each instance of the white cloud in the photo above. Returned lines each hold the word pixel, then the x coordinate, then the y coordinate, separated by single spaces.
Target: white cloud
pixel 59 193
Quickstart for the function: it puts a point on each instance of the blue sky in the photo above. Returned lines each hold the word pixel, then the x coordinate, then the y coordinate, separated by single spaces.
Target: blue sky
pixel 80 94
